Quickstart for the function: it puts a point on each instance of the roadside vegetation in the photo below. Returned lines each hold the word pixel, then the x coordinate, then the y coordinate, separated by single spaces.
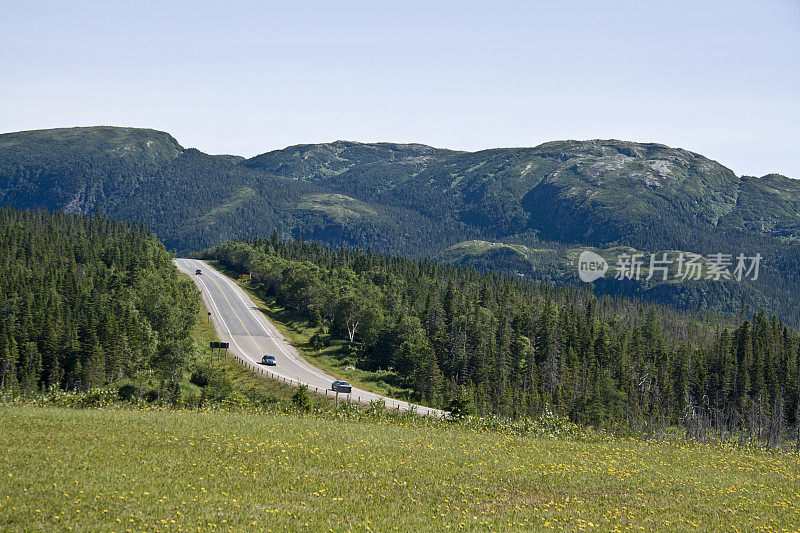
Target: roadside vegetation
pixel 224 379
pixel 94 308
pixel 132 443
pixel 117 315
pixel 444 335
pixel 87 300
pixel 315 343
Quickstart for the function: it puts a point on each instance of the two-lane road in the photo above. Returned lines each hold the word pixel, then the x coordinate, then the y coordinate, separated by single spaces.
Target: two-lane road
pixel 238 321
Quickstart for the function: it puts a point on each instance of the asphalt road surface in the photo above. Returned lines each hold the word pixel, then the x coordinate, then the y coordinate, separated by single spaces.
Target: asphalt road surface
pixel 238 321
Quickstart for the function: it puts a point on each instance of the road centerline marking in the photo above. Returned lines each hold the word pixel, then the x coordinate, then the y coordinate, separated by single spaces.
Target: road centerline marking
pixel 260 349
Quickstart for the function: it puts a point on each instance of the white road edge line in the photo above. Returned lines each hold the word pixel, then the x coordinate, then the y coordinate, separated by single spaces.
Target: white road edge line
pixel 260 319
pixel 221 319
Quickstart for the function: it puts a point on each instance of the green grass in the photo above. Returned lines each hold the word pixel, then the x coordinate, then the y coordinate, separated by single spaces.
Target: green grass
pixel 338 207
pixel 332 358
pixel 96 470
pixel 236 200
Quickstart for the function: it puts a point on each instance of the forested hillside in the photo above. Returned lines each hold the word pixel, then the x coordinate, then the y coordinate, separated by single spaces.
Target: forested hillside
pixel 193 200
pixel 417 201
pixel 84 301
pixel 772 290
pixel 460 337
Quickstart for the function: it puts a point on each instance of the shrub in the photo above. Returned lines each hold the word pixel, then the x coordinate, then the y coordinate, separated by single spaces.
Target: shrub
pixel 259 397
pixel 151 395
pixel 376 408
pixel 316 341
pixel 190 394
pixel 127 391
pixel 200 376
pixel 216 385
pixel 301 400
pixel 461 406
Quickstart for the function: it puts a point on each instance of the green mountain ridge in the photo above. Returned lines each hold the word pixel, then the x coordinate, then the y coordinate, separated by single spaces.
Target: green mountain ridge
pixel 416 200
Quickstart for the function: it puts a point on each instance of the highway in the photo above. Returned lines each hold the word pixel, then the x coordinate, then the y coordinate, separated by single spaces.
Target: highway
pixel 251 335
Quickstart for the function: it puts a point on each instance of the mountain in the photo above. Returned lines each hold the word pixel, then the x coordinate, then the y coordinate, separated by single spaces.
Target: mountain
pixel 594 192
pixel 193 200
pixel 769 205
pixel 416 200
pixel 75 169
pixel 341 162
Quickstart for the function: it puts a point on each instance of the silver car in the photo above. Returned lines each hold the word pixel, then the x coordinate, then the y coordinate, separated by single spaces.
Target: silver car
pixel 341 386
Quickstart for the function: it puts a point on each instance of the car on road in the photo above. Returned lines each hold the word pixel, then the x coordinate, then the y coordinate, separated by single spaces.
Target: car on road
pixel 341 386
pixel 269 360
pixel 197 272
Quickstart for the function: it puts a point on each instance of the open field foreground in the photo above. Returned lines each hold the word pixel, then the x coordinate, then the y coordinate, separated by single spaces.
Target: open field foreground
pixel 131 470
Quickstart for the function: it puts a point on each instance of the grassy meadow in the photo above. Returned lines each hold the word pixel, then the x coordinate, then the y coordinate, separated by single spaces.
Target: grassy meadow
pixel 160 470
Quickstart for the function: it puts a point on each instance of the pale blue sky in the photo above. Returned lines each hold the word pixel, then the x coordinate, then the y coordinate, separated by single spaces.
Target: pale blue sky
pixel 719 78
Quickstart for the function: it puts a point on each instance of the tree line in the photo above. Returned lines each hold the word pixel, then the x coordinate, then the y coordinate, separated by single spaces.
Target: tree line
pixel 87 300
pixel 509 346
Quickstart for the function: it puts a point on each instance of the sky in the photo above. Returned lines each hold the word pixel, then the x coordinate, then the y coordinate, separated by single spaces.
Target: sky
pixel 718 78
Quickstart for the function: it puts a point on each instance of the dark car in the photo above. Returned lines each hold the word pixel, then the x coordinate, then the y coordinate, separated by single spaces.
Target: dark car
pixel 269 360
pixel 341 386
pixel 197 272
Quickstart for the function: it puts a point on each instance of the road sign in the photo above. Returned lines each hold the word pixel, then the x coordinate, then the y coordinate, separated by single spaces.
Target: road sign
pixel 244 276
